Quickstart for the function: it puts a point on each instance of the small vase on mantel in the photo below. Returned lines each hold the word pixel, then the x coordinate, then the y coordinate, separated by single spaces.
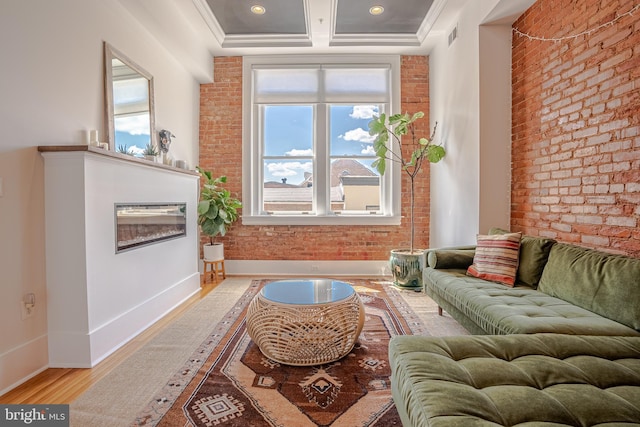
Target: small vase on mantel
pixel 150 152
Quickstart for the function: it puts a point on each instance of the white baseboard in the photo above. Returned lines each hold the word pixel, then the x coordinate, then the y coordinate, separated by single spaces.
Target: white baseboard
pixel 74 350
pixel 307 268
pixel 105 341
pixel 22 363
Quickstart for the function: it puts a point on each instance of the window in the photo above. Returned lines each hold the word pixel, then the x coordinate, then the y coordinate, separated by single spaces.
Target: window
pixel 307 151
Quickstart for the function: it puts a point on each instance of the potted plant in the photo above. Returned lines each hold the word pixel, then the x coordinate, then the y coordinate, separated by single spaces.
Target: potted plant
pixel 150 152
pixel 217 210
pixel 123 149
pixel 406 264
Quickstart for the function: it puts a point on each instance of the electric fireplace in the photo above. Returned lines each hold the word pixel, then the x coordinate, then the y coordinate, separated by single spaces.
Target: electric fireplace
pixel 141 224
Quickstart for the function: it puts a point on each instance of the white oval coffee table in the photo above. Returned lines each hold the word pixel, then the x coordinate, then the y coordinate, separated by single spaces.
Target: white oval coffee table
pixel 305 322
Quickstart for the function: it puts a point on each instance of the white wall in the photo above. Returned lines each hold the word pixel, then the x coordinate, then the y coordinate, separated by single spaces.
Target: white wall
pixel 495 127
pixel 470 86
pixel 453 85
pixel 52 93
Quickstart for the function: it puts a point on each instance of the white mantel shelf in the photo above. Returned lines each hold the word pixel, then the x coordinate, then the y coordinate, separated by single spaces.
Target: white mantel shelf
pixel 112 154
pixel 98 299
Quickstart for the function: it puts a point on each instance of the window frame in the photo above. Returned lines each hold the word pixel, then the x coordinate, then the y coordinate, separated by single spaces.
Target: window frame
pixel 252 183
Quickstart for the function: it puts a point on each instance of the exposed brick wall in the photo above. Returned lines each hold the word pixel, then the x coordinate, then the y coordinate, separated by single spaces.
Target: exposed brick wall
pixel 576 125
pixel 221 152
pixel 414 71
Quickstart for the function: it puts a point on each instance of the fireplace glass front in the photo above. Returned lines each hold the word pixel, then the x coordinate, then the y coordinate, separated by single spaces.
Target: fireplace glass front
pixel 141 224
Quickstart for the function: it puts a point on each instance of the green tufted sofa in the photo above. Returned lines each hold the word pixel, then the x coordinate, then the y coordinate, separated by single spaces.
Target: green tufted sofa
pixel 561 288
pixel 516 380
pixel 561 348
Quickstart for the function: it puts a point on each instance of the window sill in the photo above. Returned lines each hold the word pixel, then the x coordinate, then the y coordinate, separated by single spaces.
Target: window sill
pixel 320 220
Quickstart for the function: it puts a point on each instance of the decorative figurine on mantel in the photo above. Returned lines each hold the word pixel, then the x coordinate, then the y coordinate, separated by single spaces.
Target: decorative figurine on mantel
pixel 165 142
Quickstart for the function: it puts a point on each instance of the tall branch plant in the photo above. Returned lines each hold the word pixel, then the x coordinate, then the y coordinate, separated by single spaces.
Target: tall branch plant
pixel 389 145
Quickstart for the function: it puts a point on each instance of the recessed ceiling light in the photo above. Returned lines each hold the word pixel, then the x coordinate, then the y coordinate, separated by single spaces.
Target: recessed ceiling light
pixel 258 10
pixel 376 10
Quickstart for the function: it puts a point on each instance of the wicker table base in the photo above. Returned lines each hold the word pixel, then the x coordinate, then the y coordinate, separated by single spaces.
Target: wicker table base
pixel 305 334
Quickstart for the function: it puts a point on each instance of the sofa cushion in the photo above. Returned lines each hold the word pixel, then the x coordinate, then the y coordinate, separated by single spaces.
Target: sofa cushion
pixel 543 379
pixel 602 283
pixel 496 258
pixel 499 310
pixel 534 252
pixel 451 258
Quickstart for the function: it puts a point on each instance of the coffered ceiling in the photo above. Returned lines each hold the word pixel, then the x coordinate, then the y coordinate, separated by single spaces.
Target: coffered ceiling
pixel 317 23
pixel 194 30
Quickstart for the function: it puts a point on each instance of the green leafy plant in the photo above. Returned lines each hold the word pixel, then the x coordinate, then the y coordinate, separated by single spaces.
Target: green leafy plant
pixel 217 209
pixel 124 150
pixel 389 146
pixel 150 150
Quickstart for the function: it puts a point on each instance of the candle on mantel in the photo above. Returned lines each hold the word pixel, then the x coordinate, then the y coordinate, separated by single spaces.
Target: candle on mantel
pixel 93 137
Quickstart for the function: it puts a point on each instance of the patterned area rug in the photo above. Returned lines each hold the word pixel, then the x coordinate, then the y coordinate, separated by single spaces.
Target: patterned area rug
pixel 228 382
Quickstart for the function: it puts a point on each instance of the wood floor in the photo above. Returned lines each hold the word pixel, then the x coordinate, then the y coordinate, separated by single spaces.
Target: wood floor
pixel 63 385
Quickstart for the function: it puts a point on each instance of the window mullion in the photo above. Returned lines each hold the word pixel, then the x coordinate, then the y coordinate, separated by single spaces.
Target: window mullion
pixel 258 166
pixel 322 186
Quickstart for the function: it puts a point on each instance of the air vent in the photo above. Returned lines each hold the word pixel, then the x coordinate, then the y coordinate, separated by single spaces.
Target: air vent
pixel 453 34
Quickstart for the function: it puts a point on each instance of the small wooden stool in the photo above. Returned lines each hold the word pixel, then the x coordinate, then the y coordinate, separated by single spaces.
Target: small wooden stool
pixel 217 267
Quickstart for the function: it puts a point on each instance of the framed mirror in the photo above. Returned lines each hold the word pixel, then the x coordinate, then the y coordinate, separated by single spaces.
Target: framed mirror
pixel 130 104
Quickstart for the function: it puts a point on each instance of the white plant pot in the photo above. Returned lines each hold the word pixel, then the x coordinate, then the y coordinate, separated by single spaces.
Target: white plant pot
pixel 213 252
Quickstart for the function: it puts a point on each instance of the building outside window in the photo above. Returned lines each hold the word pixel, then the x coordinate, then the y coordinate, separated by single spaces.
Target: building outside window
pixel 307 151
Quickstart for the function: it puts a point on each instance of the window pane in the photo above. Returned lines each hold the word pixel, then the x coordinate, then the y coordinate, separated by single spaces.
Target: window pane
pixel 288 130
pixel 350 129
pixel 288 186
pixel 355 187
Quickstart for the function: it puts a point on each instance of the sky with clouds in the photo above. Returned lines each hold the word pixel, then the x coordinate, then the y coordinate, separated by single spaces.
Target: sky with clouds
pixel 133 133
pixel 289 138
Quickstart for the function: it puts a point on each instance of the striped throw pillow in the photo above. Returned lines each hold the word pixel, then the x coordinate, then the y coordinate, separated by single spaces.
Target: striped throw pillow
pixel 496 258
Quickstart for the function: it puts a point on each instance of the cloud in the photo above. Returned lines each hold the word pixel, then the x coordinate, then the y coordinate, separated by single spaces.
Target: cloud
pixel 135 125
pixel 285 169
pixel 368 151
pixel 296 152
pixel 136 151
pixel 364 111
pixel 358 135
